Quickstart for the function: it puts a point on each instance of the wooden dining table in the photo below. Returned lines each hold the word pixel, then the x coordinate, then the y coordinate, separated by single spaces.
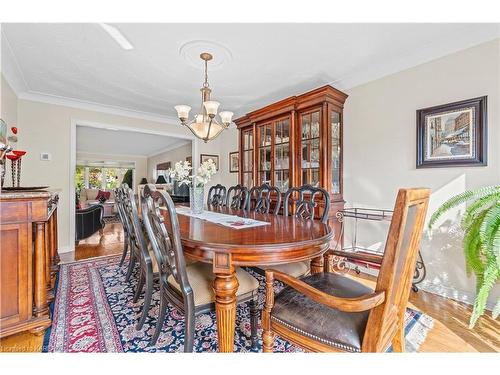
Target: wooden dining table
pixel 286 239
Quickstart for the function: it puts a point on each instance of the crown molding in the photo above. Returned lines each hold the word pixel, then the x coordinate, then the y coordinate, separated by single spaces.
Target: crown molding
pixel 95 107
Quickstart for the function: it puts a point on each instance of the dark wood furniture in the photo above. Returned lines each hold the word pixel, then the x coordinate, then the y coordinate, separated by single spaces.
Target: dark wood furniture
pixel 119 199
pixel 296 141
pixel 264 199
pixel 217 195
pixel 139 251
pixel 28 260
pixel 286 239
pixel 328 312
pixel 237 197
pixel 188 287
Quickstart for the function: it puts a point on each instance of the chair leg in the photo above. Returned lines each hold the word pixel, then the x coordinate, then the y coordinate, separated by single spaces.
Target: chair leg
pixel 268 341
pixel 140 285
pixel 254 321
pixel 131 264
pixel 267 335
pixel 161 318
pixel 398 342
pixel 125 251
pixel 189 332
pixel 147 299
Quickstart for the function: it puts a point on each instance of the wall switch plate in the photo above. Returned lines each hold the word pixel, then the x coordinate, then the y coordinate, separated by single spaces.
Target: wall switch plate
pixel 45 156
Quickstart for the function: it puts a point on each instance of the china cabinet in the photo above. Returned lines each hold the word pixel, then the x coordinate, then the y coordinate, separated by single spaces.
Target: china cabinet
pixel 295 141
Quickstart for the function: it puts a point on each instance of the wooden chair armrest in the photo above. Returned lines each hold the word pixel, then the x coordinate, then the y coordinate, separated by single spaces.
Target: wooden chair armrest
pixel 356 304
pixel 366 257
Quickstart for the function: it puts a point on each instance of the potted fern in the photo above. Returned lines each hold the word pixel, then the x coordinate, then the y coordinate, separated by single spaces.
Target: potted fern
pixel 481 225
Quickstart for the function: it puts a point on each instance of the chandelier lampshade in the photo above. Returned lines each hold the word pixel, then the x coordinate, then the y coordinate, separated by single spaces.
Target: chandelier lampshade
pixel 205 124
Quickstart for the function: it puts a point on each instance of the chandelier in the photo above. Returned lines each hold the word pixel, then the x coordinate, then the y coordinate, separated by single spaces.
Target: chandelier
pixel 204 125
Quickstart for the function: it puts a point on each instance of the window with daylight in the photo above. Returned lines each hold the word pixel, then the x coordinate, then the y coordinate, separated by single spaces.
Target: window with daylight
pixel 100 177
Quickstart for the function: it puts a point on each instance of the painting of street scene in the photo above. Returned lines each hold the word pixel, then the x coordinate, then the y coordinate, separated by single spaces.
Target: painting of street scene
pixel 450 135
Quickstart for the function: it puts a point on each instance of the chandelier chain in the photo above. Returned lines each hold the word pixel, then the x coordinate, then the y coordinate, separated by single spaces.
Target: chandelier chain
pixel 205 84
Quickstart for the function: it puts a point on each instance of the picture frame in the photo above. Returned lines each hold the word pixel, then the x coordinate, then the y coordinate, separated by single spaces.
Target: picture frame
pixel 189 159
pixel 215 158
pixel 234 162
pixel 453 134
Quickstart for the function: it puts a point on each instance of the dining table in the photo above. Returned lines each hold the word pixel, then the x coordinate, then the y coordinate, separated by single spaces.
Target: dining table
pixel 283 239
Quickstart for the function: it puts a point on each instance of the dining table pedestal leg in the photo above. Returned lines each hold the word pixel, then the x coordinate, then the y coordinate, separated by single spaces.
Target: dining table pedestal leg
pixel 317 264
pixel 225 288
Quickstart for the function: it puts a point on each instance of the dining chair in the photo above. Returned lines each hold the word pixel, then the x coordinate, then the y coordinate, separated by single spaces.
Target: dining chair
pixel 121 214
pixel 237 197
pixel 216 196
pixel 140 252
pixel 187 287
pixel 327 312
pixel 261 199
pixel 305 203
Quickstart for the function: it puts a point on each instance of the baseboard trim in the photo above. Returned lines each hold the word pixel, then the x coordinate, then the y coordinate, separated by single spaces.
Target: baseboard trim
pixel 64 249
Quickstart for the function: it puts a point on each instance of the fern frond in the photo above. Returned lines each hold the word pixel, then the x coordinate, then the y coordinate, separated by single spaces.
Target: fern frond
pixel 491 275
pixel 472 247
pixel 462 198
pixel 489 230
pixel 496 247
pixel 477 206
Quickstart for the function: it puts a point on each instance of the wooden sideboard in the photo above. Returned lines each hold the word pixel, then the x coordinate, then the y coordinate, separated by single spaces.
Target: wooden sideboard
pixel 28 260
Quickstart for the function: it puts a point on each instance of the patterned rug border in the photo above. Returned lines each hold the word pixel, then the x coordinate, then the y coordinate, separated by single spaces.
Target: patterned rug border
pixel 110 337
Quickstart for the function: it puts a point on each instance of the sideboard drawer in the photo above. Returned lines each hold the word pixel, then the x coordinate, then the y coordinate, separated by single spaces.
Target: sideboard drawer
pixel 14 212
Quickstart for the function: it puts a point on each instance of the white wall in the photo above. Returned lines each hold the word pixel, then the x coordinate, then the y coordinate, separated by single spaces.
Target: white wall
pixel 140 162
pixel 379 150
pixel 229 143
pixel 174 155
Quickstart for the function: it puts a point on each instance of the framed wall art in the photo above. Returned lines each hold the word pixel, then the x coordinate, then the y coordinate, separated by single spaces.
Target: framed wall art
pixel 234 162
pixel 452 135
pixel 215 158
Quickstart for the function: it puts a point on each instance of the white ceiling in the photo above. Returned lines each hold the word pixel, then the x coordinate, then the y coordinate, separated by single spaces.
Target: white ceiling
pixel 120 142
pixel 260 63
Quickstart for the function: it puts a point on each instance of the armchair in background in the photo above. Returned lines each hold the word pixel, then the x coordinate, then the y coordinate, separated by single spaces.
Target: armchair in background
pixel 88 221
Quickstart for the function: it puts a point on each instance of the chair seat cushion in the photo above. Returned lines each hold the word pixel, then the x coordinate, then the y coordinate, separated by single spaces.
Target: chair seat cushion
pixel 296 269
pixel 200 277
pixel 299 313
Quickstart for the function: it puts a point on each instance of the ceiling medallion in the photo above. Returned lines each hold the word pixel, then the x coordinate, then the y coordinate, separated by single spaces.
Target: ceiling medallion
pixel 191 50
pixel 204 125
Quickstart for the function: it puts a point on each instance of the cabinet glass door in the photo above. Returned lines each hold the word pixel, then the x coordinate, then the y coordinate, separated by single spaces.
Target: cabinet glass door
pixel 336 130
pixel 282 154
pixel 265 142
pixel 247 173
pixel 310 157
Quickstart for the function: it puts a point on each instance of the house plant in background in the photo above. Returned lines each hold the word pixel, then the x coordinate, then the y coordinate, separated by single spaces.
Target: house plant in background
pixel 127 178
pixel 481 225
pixel 196 183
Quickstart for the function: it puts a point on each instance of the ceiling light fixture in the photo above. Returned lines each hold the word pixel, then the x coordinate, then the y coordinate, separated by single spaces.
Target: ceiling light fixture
pixel 204 125
pixel 117 36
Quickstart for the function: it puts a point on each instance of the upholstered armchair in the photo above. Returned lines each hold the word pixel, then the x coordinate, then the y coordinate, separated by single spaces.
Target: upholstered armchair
pixel 88 221
pixel 327 312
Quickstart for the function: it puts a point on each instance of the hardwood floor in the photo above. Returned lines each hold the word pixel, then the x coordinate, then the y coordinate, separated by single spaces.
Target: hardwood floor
pixel 449 334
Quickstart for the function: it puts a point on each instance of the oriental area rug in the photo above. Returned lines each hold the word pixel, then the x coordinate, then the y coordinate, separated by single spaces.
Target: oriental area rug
pixel 93 312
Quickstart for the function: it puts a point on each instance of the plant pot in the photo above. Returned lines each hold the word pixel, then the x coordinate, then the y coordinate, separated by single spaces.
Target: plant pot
pixel 196 197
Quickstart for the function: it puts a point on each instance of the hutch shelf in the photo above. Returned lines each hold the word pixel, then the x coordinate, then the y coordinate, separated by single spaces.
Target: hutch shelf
pixel 295 141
